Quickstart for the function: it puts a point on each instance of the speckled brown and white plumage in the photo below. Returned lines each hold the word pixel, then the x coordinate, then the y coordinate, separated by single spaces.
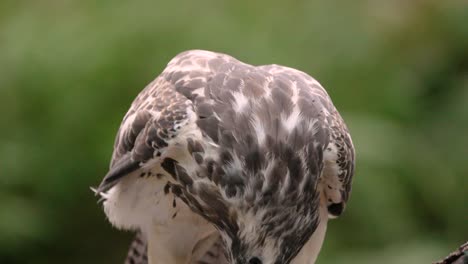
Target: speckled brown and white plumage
pixel 216 147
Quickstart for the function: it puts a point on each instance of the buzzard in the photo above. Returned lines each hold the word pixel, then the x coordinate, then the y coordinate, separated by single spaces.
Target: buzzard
pixel 218 161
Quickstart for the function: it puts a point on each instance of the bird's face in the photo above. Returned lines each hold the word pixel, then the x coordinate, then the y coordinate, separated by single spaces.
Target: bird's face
pixel 269 236
pixel 242 252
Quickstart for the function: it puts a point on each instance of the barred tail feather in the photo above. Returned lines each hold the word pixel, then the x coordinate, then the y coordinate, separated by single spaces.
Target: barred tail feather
pixel 137 253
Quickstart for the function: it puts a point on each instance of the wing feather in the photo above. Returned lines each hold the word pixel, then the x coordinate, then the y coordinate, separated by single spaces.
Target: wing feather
pixel 154 120
pixel 338 149
pixel 162 110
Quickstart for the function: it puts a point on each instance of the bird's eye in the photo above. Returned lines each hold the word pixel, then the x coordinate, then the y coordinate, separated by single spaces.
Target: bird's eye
pixel 255 260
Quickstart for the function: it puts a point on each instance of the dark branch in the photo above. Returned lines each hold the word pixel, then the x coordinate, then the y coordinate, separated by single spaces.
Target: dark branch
pixel 459 256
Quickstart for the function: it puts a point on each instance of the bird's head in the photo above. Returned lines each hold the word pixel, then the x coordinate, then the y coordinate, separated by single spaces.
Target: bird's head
pixel 243 252
pixel 270 235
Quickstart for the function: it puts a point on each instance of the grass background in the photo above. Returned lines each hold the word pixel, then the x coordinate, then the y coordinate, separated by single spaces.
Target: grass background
pixel 396 70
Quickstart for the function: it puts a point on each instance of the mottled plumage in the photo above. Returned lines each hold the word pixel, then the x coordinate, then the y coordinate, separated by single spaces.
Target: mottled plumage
pixel 214 147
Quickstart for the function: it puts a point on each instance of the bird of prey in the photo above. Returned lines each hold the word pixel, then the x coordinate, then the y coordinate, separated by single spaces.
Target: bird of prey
pixel 218 161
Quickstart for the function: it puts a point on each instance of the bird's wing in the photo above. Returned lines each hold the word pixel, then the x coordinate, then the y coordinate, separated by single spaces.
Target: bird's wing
pixel 155 118
pixel 338 149
pixel 161 111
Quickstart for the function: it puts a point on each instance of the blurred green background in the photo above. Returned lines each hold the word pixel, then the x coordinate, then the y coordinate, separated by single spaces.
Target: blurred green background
pixel 396 70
